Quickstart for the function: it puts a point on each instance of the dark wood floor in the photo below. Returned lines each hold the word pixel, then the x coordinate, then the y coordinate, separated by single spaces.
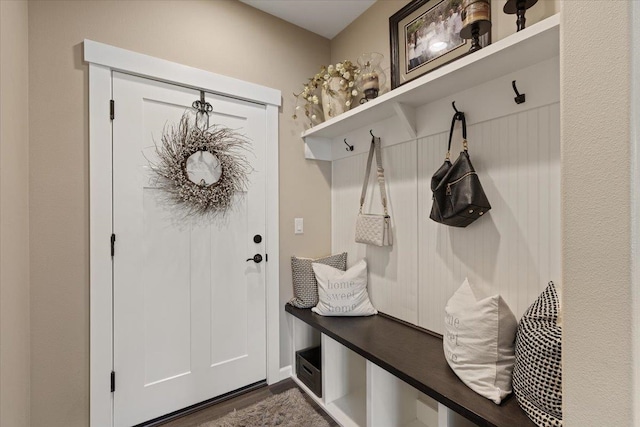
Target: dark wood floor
pixel 221 409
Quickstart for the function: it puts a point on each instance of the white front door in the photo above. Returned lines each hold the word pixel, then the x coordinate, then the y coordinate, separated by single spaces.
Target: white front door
pixel 189 310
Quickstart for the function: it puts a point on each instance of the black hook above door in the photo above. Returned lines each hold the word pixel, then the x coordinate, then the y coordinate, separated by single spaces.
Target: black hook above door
pixel 349 147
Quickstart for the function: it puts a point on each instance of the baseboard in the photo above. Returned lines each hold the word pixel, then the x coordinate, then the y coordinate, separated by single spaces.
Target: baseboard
pixel 286 372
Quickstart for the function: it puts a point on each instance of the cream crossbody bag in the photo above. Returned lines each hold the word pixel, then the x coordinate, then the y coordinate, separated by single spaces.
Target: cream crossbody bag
pixel 374 229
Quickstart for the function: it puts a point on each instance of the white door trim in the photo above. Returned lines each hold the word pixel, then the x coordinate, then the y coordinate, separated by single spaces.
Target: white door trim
pixel 103 59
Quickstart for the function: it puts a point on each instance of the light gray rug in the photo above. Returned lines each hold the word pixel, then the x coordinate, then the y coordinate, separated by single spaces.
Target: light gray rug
pixel 287 409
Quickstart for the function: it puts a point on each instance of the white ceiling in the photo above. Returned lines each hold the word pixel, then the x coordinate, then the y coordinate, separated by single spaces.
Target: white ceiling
pixel 324 17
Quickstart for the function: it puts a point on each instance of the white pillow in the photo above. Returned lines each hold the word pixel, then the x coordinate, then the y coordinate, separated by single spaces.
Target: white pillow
pixel 479 341
pixel 342 293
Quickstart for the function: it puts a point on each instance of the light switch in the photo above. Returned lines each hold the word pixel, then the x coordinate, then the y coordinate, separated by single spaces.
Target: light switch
pixel 298 226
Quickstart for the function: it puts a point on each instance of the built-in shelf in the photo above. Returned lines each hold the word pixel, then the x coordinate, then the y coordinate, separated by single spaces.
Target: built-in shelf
pixel 350 409
pixel 530 46
pixel 410 354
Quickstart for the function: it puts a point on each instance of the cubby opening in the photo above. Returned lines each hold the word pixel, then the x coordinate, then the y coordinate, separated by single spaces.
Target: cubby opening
pixel 394 403
pixel 344 377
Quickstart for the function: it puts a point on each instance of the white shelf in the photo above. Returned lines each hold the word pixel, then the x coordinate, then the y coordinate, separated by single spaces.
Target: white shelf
pixel 350 410
pixel 530 46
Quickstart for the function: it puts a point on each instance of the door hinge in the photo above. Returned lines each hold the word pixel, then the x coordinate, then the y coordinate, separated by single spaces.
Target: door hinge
pixel 113 381
pixel 112 109
pixel 113 244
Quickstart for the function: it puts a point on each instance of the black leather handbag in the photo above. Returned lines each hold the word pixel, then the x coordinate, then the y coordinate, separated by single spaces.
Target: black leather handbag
pixel 458 197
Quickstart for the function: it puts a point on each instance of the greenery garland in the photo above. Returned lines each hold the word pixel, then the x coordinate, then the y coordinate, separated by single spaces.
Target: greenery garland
pixel 178 144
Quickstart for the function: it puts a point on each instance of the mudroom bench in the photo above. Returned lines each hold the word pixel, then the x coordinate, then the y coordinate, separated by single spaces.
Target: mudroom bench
pixel 381 371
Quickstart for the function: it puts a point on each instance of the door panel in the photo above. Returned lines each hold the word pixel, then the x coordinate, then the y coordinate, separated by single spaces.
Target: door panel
pixel 167 302
pixel 189 311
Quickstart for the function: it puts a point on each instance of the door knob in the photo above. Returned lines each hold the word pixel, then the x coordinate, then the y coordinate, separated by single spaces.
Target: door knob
pixel 257 258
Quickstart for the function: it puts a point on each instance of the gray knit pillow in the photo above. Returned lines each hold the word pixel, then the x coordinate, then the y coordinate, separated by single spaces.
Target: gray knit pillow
pixel 537 374
pixel 305 286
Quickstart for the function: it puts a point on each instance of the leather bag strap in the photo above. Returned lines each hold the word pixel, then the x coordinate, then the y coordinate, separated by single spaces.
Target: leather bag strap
pixel 375 148
pixel 458 116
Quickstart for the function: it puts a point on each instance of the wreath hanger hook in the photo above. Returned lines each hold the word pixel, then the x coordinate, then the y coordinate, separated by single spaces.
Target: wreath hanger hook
pixel 202 108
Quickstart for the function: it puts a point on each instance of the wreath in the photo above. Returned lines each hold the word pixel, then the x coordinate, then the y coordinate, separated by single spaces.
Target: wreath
pixel 201 169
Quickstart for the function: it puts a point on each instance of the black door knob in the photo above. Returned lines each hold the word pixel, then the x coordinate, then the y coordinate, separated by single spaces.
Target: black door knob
pixel 257 258
pixel 257 238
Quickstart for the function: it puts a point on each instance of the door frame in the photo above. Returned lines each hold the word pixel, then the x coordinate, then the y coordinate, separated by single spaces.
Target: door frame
pixel 103 59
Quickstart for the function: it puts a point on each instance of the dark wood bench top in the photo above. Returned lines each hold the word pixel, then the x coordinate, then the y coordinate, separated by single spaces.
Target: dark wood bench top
pixel 415 356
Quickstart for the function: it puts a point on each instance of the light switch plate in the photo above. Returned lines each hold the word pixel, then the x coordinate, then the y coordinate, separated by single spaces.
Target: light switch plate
pixel 298 226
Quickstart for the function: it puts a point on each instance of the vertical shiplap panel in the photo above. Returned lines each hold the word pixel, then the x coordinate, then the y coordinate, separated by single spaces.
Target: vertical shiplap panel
pixel 514 250
pixel 511 251
pixel 392 270
pixel 501 174
pixel 554 193
pixel 434 277
pixel 345 194
pixel 520 203
pixel 534 164
pixel 544 193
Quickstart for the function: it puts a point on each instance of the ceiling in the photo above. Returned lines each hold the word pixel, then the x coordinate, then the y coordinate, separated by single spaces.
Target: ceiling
pixel 324 17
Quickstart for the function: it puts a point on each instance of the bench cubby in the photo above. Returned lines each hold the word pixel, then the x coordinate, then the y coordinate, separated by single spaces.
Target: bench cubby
pixel 379 371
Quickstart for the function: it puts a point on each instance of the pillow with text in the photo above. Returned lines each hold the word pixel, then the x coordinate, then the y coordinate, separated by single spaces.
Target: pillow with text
pixel 343 293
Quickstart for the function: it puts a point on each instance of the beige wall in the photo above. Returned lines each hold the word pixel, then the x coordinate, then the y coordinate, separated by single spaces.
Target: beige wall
pixel 370 32
pixel 14 215
pixel 225 37
pixel 635 197
pixel 596 286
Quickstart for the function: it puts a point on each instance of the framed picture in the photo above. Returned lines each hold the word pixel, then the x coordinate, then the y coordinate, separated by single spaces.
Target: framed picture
pixel 425 35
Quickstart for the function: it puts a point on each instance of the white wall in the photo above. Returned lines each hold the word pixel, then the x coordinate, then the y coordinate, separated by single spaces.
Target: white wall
pixel 14 215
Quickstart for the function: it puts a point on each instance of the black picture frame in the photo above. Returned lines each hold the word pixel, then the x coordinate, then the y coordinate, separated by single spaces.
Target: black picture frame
pixel 425 36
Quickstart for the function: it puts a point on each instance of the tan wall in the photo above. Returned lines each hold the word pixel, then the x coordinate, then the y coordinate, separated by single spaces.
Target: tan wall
pixel 596 286
pixel 14 215
pixel 370 32
pixel 225 37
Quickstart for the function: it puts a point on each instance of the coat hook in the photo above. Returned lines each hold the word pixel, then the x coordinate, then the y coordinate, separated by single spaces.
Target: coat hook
pixel 519 98
pixel 349 147
pixel 459 114
pixel 371 132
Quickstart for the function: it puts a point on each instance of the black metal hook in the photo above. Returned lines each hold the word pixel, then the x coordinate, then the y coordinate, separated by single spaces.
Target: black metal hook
pixel 371 132
pixel 520 98
pixel 459 115
pixel 349 147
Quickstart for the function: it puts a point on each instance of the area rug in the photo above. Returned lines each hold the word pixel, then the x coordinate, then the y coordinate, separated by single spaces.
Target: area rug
pixel 287 409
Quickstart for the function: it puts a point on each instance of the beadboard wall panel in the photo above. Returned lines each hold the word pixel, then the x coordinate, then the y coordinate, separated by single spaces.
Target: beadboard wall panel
pixel 514 250
pixel 393 271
